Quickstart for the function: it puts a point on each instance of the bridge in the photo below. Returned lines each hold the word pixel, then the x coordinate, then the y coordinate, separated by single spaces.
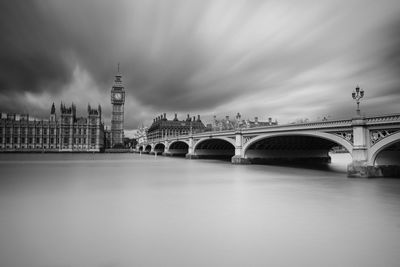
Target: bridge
pixel 373 143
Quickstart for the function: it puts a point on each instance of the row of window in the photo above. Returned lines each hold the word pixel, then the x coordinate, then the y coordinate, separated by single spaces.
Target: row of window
pixel 38 140
pixel 30 131
pixel 66 131
pixel 118 108
pixel 38 131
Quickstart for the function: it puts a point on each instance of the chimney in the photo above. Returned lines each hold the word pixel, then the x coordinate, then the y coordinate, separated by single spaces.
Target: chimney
pixel 270 120
pixel 256 120
pixel 194 118
pixel 198 118
pixel 227 118
pixel 165 116
pixel 176 117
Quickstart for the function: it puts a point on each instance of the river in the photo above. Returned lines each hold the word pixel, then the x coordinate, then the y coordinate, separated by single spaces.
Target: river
pixel 117 210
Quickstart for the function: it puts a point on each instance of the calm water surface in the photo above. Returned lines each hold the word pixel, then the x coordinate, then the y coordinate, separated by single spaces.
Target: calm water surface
pixel 129 210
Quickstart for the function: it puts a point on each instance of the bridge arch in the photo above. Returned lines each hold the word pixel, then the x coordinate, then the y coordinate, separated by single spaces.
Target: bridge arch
pixel 147 148
pixel 215 147
pixel 229 140
pixel 159 148
pixel 177 143
pixel 178 148
pixel 323 135
pixel 293 146
pixel 382 145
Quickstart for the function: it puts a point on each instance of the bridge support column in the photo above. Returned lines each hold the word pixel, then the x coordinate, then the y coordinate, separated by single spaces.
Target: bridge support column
pixel 152 151
pixel 191 154
pixel 166 149
pixel 359 167
pixel 239 153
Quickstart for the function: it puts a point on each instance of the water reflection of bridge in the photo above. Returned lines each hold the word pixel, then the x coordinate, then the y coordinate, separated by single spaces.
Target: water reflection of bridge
pixel 373 142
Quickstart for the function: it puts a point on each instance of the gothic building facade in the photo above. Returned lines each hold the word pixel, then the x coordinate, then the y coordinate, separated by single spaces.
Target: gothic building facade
pixel 66 133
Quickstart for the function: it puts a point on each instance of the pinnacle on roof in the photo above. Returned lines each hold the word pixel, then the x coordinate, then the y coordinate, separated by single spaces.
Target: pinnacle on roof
pixel 53 109
pixel 118 78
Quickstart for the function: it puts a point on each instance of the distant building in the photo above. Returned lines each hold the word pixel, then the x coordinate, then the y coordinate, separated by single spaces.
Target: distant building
pixel 239 123
pixel 65 134
pixel 130 142
pixel 141 134
pixel 162 127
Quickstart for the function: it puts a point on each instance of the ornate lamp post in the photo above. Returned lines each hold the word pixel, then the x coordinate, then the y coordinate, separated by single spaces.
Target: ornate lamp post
pixel 357 95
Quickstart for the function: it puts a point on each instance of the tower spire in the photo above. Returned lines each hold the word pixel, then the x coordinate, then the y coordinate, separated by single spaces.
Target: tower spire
pixel 118 67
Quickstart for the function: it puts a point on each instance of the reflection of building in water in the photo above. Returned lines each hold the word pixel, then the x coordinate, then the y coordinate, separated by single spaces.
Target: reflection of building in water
pixel 238 122
pixel 67 133
pixel 162 127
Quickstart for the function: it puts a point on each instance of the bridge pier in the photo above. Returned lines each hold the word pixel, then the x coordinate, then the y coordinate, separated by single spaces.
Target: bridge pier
pixel 363 170
pixel 360 168
pixel 166 151
pixel 191 154
pixel 239 158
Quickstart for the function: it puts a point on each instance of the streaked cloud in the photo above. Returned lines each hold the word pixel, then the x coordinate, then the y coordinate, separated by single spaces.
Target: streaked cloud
pixel 285 59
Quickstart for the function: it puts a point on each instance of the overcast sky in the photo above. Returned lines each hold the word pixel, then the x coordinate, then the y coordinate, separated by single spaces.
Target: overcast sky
pixel 281 59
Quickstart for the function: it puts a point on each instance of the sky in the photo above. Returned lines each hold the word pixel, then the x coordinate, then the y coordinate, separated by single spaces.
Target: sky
pixel 282 59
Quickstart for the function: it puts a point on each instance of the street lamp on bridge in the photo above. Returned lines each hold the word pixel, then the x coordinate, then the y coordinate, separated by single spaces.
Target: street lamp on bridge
pixel 357 95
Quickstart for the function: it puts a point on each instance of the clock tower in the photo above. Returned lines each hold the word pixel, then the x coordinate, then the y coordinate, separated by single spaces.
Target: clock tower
pixel 117 119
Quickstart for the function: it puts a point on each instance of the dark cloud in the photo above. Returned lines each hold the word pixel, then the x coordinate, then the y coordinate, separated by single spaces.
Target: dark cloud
pixel 209 57
pixel 32 55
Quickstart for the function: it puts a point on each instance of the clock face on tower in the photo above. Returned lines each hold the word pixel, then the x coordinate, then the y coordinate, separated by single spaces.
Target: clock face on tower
pixel 117 96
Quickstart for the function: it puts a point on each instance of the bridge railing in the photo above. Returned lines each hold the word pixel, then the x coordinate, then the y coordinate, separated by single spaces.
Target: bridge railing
pixel 383 118
pixel 389 118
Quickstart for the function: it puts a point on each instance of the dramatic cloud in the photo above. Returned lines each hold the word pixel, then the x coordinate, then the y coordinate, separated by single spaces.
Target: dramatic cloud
pixel 285 59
